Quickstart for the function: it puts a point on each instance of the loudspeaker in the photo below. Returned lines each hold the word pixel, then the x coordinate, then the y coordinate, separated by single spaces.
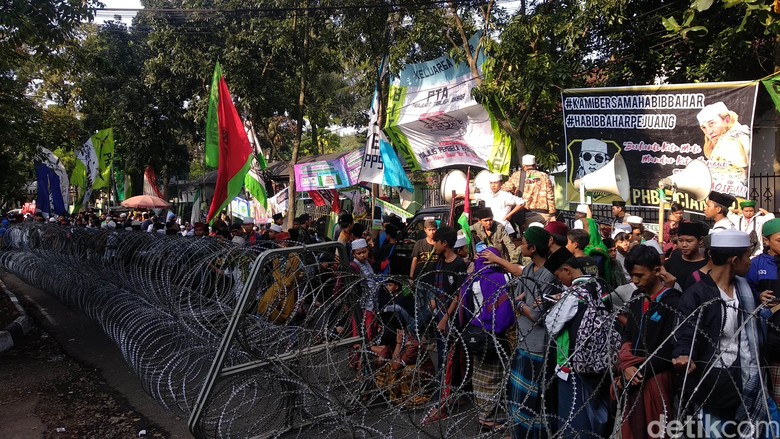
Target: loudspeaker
pixel 612 178
pixel 695 180
pixel 482 181
pixel 453 181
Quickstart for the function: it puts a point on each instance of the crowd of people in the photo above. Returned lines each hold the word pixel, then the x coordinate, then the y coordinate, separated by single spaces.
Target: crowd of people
pixel 587 331
pixel 603 331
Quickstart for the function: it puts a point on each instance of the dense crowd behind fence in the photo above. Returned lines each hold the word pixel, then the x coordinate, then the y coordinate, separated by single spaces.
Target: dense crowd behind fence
pixel 275 340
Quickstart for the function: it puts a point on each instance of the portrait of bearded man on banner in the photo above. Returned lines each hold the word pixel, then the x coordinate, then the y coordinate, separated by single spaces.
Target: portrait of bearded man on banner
pixel 726 147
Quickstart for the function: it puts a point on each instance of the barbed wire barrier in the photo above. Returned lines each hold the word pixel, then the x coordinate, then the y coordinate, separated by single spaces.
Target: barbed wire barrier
pixel 276 340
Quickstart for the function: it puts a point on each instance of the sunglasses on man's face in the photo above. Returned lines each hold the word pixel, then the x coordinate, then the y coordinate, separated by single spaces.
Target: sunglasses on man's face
pixel 598 157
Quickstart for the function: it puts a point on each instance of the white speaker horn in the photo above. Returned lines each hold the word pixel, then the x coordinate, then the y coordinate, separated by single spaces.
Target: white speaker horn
pixel 695 180
pixel 612 178
pixel 453 181
pixel 482 181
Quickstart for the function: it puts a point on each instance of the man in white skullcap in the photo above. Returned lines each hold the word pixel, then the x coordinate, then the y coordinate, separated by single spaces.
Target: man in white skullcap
pixel 503 204
pixel 593 156
pixel 535 188
pixel 726 147
pixel 579 214
pixel 723 368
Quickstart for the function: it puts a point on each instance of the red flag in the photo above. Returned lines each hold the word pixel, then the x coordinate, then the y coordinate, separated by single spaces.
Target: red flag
pixel 234 153
pixel 317 198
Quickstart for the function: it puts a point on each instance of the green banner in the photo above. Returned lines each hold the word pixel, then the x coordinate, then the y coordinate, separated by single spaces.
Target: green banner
pixel 773 87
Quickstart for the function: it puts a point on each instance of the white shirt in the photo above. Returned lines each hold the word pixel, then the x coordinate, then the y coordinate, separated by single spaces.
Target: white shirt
pixel 724 224
pixel 748 225
pixel 729 340
pixel 501 203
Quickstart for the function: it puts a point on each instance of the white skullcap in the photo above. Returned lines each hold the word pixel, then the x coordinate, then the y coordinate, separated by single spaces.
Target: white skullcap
pixel 730 239
pixel 249 220
pixel 359 244
pixel 594 145
pixel 536 224
pixel 710 112
pixel 621 228
pixel 582 208
pixel 655 245
pixel 276 228
pixel 494 177
pixel 52 219
pixel 528 159
pixel 123 215
pixel 461 241
pixel 633 219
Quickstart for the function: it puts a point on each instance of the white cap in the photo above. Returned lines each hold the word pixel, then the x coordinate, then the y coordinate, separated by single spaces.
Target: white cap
pixel 710 112
pixel 528 159
pixel 730 239
pixel 594 145
pixel 582 208
pixel 461 241
pixel 276 228
pixel 621 228
pixel 633 219
pixel 249 220
pixel 655 245
pixel 494 177
pixel 536 224
pixel 359 244
pixel 52 219
pixel 123 215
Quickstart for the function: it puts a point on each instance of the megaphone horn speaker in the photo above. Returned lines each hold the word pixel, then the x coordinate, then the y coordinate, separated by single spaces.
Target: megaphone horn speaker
pixel 612 179
pixel 695 180
pixel 453 181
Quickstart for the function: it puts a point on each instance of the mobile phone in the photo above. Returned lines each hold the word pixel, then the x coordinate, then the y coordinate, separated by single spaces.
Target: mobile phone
pixel 480 247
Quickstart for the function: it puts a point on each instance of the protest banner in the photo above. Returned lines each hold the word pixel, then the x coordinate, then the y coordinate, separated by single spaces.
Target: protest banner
pixel 658 130
pixel 434 122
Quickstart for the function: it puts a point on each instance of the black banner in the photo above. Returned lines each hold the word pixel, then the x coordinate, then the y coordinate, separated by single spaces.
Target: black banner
pixel 659 130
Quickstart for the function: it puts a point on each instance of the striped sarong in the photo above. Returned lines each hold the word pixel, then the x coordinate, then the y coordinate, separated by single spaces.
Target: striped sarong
pixel 525 401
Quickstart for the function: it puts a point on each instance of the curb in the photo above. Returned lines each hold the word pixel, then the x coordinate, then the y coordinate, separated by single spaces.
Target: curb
pixel 11 334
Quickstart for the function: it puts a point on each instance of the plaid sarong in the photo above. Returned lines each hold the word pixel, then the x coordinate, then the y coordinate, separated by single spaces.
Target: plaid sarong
pixel 489 383
pixel 525 395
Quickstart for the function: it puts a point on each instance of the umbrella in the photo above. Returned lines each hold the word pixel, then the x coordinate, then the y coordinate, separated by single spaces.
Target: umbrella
pixel 147 201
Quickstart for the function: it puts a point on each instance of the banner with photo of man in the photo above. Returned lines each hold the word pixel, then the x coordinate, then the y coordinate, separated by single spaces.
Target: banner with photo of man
pixel 434 122
pixel 658 131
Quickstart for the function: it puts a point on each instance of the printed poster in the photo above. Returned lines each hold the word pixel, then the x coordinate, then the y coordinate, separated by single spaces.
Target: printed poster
pixel 659 130
pixel 433 121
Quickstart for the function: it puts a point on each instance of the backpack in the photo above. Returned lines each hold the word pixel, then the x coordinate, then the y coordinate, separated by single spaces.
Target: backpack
pixel 597 342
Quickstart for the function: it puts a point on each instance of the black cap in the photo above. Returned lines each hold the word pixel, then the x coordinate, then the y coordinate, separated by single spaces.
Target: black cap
pixel 690 228
pixel 277 216
pixel 483 213
pixel 557 259
pixel 722 199
pixel 619 203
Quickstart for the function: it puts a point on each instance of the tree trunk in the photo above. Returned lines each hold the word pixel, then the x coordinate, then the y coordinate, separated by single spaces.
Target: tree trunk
pixel 301 109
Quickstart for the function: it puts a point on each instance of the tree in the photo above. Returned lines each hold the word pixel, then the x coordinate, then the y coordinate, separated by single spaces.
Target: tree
pixel 34 31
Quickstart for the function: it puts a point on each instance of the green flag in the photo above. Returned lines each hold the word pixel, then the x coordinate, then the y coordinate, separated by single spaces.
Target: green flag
pixel 773 87
pixel 255 185
pixel 103 142
pixel 211 150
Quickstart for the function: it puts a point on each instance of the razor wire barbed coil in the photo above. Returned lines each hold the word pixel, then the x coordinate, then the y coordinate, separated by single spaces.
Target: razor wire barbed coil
pixel 305 358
